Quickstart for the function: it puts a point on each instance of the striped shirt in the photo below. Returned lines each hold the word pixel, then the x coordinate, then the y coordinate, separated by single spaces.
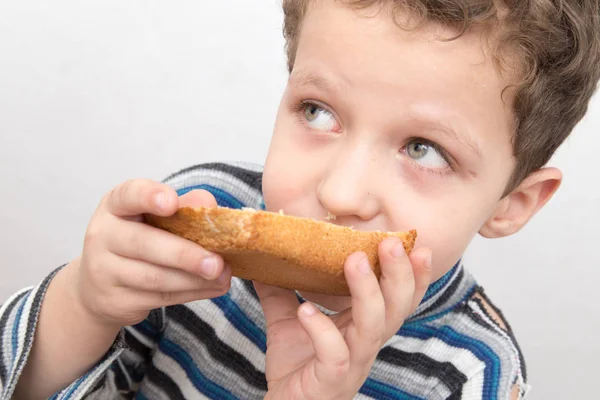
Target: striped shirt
pixel 454 346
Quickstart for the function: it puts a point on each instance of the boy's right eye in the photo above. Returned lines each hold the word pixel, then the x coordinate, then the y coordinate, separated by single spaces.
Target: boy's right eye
pixel 319 118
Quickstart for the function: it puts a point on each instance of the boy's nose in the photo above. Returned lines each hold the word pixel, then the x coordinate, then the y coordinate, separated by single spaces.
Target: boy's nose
pixel 345 189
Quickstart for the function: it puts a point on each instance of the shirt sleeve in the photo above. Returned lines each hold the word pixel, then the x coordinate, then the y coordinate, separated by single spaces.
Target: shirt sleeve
pixel 118 373
pixel 476 389
pixel 121 370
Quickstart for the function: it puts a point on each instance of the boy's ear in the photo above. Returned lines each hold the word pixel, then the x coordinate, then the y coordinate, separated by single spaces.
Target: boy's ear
pixel 520 205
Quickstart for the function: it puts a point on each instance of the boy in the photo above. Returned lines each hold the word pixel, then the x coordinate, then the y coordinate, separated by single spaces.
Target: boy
pixel 436 116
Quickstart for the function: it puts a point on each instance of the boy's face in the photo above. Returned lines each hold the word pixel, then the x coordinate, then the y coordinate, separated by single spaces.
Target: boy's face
pixel 391 130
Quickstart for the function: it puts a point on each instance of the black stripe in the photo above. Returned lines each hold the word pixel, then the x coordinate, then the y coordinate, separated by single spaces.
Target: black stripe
pixel 135 345
pixel 252 178
pixel 509 330
pixel 456 395
pixel 155 318
pixel 121 381
pixel 219 350
pixel 450 290
pixel 250 288
pixel 424 365
pixel 467 311
pixel 165 383
pixel 33 317
pixel 3 327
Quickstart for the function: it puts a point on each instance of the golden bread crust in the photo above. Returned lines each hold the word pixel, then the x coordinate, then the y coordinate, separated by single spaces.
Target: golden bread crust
pixel 281 250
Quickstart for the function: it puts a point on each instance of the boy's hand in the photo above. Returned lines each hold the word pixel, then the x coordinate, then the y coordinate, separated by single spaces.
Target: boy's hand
pixel 312 356
pixel 128 268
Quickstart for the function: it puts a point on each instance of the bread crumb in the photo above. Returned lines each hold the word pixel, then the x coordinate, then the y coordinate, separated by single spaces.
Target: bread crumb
pixel 330 216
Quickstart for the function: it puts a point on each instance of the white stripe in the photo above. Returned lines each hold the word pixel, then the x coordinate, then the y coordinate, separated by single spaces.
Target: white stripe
pixel 172 369
pixel 7 346
pixel 246 165
pixel 473 389
pixel 435 297
pixel 14 373
pixel 247 302
pixel 4 306
pixel 125 372
pixel 214 316
pixel 87 384
pixel 440 351
pixel 221 373
pixel 515 372
pixel 222 180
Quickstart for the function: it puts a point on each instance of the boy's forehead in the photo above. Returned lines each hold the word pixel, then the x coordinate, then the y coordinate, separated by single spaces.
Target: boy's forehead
pixel 366 38
pixel 341 50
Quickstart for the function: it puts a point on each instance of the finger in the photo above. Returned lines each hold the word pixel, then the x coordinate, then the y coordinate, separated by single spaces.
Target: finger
pixel 197 198
pixel 143 300
pixel 331 352
pixel 423 272
pixel 278 304
pixel 368 308
pixel 398 282
pixel 140 196
pixel 145 276
pixel 145 243
pixel 342 319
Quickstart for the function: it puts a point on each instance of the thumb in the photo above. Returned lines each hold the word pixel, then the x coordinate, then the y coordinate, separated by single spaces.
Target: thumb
pixel 197 198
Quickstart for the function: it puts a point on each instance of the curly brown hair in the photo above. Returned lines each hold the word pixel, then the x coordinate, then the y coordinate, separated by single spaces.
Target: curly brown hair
pixel 556 43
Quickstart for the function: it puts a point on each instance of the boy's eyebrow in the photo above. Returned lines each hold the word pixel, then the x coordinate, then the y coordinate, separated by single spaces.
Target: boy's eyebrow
pixel 436 119
pixel 307 78
pixel 452 134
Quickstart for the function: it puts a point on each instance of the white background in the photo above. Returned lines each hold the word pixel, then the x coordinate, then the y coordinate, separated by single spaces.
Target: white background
pixel 96 92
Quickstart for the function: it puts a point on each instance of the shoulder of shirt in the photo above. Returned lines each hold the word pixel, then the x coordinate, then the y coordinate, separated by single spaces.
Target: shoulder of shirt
pixel 234 184
pixel 473 343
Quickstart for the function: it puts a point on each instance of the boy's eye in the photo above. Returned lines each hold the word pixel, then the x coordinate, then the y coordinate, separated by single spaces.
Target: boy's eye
pixel 319 118
pixel 426 154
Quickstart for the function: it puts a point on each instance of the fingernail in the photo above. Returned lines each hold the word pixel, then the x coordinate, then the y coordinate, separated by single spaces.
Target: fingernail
pixel 429 259
pixel 364 267
pixel 160 199
pixel 308 309
pixel 208 266
pixel 398 250
pixel 222 279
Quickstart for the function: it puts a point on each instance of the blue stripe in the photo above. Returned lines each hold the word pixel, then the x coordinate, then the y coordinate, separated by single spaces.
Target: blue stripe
pixel 379 390
pixel 438 285
pixel 15 332
pixel 478 348
pixel 75 386
pixel 246 326
pixel 241 322
pixel 200 382
pixel 224 199
pixel 147 329
pixel 140 396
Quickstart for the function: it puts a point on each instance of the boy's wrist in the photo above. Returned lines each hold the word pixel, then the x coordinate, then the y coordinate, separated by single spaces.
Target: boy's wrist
pixel 76 304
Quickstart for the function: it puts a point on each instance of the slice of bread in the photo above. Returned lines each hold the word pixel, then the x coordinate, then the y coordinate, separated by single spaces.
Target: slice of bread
pixel 276 249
